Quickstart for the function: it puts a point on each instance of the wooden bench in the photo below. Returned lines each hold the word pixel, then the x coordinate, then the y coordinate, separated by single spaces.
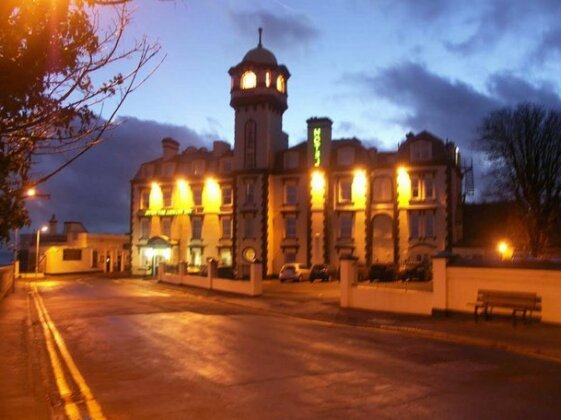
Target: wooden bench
pixel 519 302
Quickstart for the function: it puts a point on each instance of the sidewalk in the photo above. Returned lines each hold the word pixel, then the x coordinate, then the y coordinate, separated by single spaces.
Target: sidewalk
pixel 320 302
pixel 20 383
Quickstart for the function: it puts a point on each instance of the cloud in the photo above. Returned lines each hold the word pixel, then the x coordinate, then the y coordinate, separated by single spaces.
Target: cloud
pixel 549 45
pixel 96 189
pixel 512 90
pixel 281 32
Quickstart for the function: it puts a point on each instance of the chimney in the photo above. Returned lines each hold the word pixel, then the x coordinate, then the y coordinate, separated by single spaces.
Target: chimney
pixel 52 225
pixel 169 148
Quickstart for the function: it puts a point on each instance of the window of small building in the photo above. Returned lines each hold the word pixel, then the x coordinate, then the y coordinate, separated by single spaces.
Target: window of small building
pixel 71 254
pixel 250 192
pixel 250 144
pixel 346 225
pixel 248 80
pixel 226 257
pixel 196 227
pixel 144 199
pixel 415 187
pixel 382 189
pixel 94 258
pixel 429 187
pixel 345 187
pixel 290 227
pixel 346 156
pixel 268 79
pixel 166 195
pixel 226 195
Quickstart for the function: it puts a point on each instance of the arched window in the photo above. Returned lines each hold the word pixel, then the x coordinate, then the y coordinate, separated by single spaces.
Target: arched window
pixel 250 144
pixel 268 79
pixel 281 86
pixel 249 80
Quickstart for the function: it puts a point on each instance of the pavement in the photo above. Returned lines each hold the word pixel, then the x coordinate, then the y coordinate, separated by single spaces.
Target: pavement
pixel 320 302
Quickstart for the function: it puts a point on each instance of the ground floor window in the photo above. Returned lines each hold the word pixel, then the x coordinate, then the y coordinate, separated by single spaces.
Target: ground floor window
pixel 226 256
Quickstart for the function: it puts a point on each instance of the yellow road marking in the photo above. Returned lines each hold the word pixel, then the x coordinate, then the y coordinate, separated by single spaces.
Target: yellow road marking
pixel 93 406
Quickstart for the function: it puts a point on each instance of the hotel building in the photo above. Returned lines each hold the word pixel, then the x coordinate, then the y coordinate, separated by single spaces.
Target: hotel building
pixel 310 203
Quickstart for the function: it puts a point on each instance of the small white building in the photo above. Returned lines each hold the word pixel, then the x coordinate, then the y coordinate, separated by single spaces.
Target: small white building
pixel 75 250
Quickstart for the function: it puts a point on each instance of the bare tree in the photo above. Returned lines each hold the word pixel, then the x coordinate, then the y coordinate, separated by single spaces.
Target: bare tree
pixel 55 95
pixel 523 146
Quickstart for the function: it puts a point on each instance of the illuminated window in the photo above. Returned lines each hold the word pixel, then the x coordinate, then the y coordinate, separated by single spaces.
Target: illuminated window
pixel 345 190
pixel 144 228
pixel 227 227
pixel 248 80
pixel 346 225
pixel 226 257
pixel 197 195
pixel 281 84
pixel 268 79
pixel 226 196
pixel 250 144
pixel 290 227
pixel 415 187
pixel 166 226
pixel 290 194
pixel 249 193
pixel 167 197
pixel 196 227
pixel 382 189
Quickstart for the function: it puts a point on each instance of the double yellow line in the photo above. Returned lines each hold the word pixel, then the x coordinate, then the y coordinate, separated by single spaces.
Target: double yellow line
pixel 56 346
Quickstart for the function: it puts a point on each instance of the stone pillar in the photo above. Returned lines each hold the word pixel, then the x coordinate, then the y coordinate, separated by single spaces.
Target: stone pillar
pixel 348 278
pixel 256 278
pixel 439 283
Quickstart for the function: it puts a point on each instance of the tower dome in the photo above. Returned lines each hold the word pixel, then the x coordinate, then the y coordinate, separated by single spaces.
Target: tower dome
pixel 260 55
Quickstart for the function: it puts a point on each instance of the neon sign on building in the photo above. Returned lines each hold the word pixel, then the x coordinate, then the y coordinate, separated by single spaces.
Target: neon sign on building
pixel 317 146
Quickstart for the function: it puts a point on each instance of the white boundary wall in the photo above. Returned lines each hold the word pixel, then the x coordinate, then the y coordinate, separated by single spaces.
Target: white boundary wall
pixel 253 287
pixel 454 288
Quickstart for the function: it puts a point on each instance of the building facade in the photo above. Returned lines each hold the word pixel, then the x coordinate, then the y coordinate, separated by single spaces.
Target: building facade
pixel 310 203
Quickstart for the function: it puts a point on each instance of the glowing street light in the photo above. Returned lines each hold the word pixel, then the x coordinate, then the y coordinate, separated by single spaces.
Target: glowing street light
pixel 43 228
pixel 504 249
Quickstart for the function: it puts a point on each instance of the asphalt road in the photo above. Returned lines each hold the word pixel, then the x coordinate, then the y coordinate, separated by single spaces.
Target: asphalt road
pixel 132 349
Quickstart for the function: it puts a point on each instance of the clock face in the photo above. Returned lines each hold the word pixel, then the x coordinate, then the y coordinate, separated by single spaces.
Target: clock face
pixel 249 254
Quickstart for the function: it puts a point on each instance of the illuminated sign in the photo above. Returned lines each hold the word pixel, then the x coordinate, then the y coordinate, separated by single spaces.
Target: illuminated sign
pixel 317 146
pixel 166 212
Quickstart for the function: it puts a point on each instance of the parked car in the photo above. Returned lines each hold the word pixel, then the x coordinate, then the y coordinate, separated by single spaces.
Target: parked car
pixel 293 272
pixel 319 271
pixel 381 272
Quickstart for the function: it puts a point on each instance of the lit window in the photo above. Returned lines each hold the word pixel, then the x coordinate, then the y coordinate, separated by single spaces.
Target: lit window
pixel 166 226
pixel 197 227
pixel 281 84
pixel 268 79
pixel 290 194
pixel 346 225
pixel 197 195
pixel 249 80
pixel 226 257
pixel 227 227
pixel 345 190
pixel 226 196
pixel 250 193
pixel 290 227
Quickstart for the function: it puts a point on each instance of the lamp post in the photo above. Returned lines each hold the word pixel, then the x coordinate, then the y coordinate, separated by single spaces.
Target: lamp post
pixel 43 228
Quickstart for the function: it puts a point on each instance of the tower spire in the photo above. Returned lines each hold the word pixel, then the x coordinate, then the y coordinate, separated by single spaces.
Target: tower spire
pixel 260 34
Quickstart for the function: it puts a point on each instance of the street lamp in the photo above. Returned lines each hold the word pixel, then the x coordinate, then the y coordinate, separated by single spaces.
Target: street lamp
pixel 43 228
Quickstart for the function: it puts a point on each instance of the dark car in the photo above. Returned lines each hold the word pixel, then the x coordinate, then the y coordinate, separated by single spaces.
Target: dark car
pixel 319 271
pixel 418 271
pixel 381 272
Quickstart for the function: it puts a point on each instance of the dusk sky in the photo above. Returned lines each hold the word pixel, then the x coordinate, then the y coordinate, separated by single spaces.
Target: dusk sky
pixel 378 69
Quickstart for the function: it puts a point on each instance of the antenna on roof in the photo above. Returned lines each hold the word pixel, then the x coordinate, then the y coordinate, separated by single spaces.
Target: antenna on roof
pixel 260 34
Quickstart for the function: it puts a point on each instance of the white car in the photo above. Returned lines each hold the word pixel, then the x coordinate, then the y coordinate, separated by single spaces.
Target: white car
pixel 294 272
